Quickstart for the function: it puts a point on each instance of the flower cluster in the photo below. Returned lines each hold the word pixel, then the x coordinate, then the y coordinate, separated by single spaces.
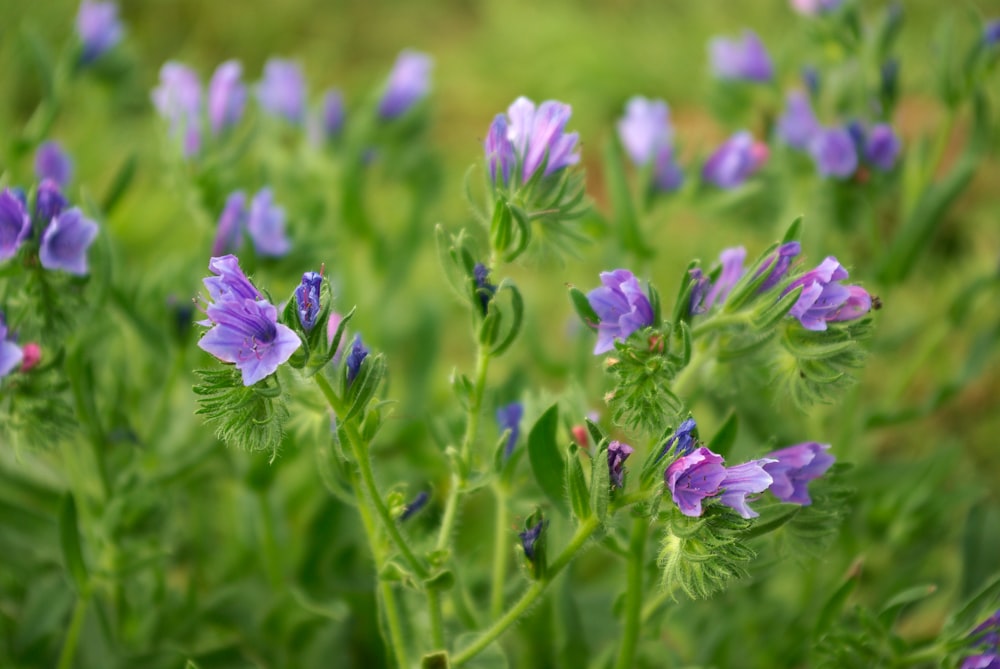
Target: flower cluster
pixel 647 136
pixel 263 220
pixel 530 141
pixel 65 233
pixel 621 306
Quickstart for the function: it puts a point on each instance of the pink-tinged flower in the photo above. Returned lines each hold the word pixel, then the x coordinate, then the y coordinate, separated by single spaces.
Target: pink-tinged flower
pixel 266 225
pixel 98 28
pixel 409 82
pixel 51 162
pixel 701 474
pixel 797 126
pixel 825 299
pixel 618 453
pixel 65 242
pixel 622 307
pixel 245 331
pixel 11 354
pixel 815 7
pixel 229 234
pixel 227 96
pixel 178 101
pixel 735 161
pixel 32 356
pixel 834 152
pixel 282 92
pixel 15 224
pixel 538 136
pixel 795 467
pixel 743 59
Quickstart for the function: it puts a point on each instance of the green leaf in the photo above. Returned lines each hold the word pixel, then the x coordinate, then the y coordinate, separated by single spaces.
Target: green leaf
pixel 576 484
pixel 835 604
pixel 794 231
pixel 365 385
pixel 682 305
pixel 583 309
pixel 545 458
pixel 517 316
pixel 600 482
pixel 897 602
pixel 120 185
pixel 250 417
pixel 69 539
pixel 625 217
pixel 501 226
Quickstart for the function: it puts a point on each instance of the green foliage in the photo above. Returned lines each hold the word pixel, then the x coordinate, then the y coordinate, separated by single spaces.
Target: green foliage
pixel 248 417
pixel 811 367
pixel 701 556
pixel 643 368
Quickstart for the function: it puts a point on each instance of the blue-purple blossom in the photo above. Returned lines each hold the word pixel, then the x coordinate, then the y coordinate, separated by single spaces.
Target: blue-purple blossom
pixel 266 225
pixel 795 467
pixel 991 33
pixel 282 92
pixel 982 661
pixel 667 174
pixel 178 101
pixel 622 307
pixel 509 418
pixel 798 124
pixel 409 82
pixel 11 354
pixel 644 129
pixel 307 299
pixel 776 265
pixel 332 113
pixel 229 234
pixel 419 502
pixel 484 289
pixel 227 96
pixel 229 282
pixel 699 287
pixel 742 59
pixel 65 242
pixel 834 152
pixel 682 441
pixel 499 151
pixel 539 138
pixel 735 161
pixel 49 202
pixel 814 7
pixel 98 28
pixel 15 224
pixel 985 639
pixel 824 298
pixel 51 162
pixel 701 474
pixel 732 260
pixel 529 539
pixel 618 453
pixel 356 356
pixel 882 147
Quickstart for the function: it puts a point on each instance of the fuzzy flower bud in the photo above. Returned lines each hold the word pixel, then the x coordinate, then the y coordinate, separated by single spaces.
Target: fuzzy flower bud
pixel 356 356
pixel 307 299
pixel 618 453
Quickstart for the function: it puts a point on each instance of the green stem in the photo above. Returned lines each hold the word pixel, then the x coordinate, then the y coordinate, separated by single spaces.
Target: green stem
pixel 633 593
pixel 437 623
pixel 499 551
pixel 718 322
pixel 73 633
pixel 530 595
pixel 272 556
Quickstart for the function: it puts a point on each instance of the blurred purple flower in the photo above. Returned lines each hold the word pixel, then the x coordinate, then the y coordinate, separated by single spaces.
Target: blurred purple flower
pixel 742 59
pixel 735 161
pixel 98 27
pixel 701 474
pixel 776 265
pixel 307 299
pixel 332 113
pixel 227 96
pixel 618 453
pixel 682 441
pixel 814 7
pixel 356 356
pixel 538 136
pixel 11 354
pixel 732 260
pixel 798 124
pixel 266 225
pixel 51 162
pixel 986 639
pixel 409 82
pixel 622 307
pixel 882 147
pixel 795 467
pixel 229 234
pixel 49 202
pixel 983 661
pixel 65 242
pixel 834 152
pixel 858 303
pixel 810 77
pixel 282 92
pixel 509 418
pixel 499 151
pixel 484 289
pixel 824 298
pixel 667 174
pixel 178 101
pixel 699 287
pixel 644 129
pixel 991 33
pixel 15 224
pixel 245 329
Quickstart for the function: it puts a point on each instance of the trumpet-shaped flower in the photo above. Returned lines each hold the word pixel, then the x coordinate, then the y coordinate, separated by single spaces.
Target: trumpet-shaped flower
pixel 825 299
pixel 622 307
pixel 65 242
pixel 15 224
pixel 794 467
pixel 227 96
pixel 701 474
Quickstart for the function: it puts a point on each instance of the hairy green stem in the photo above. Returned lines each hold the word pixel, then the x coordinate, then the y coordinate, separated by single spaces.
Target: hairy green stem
pixel 530 595
pixel 68 652
pixel 633 593
pixel 500 550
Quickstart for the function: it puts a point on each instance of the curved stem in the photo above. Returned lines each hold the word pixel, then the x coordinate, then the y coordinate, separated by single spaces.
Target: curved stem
pixel 499 551
pixel 633 593
pixel 530 595
pixel 73 633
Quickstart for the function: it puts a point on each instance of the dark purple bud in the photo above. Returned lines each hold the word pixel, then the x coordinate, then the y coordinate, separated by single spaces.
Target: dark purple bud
pixel 98 28
pixel 356 356
pixel 883 147
pixel 15 224
pixel 49 202
pixel 622 307
pixel 742 59
pixel 509 418
pixel 484 289
pixel 409 82
pixel 307 299
pixel 229 234
pixel 618 453
pixel 699 286
pixel 794 467
pixel 834 153
pixel 529 539
pixel 51 162
pixel 419 502
pixel 333 113
pixel 798 124
pixel 282 92
pixel 227 96
pixel 65 242
pixel 682 441
pixel 776 265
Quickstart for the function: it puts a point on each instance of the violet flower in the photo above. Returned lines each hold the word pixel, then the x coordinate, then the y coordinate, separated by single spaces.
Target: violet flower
pixel 538 136
pixel 282 92
pixel 815 7
pixel 882 147
pixel 409 82
pixel 622 307
pixel 798 124
pixel 618 453
pixel 227 96
pixel 824 298
pixel 266 225
pixel 51 162
pixel 644 129
pixel 735 161
pixel 229 234
pixel 178 101
pixel 499 151
pixel 732 260
pixel 509 418
pixel 356 356
pixel 98 28
pixel 529 539
pixel 794 467
pixel 834 152
pixel 985 639
pixel 11 354
pixel 699 475
pixel 777 264
pixel 667 174
pixel 991 33
pixel 307 299
pixel 742 59
pixel 65 242
pixel 332 113
pixel 49 202
pixel 699 287
pixel 245 329
pixel 15 224
pixel 484 289
pixel 682 441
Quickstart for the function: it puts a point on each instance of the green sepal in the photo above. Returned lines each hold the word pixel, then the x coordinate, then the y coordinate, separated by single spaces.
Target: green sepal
pixel 120 184
pixel 683 332
pixel 545 458
pixel 248 417
pixel 517 316
pixel 393 572
pixel 462 387
pixel 583 309
pixel 769 315
pixel 489 328
pixel 771 518
pixel 370 375
pixel 441 581
pixel 600 482
pixel 69 539
pixel 644 369
pixel 455 259
pixel 794 231
pixel 746 288
pixel 538 567
pixel 596 433
pixel 523 236
pixel 436 660
pixel 576 485
pixel 701 556
pixel 682 306
pixel 501 226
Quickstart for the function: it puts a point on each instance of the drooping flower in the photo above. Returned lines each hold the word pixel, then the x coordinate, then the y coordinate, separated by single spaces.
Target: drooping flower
pixel 742 59
pixel 622 307
pixel 227 96
pixel 824 298
pixel 66 240
pixel 332 113
pixel 644 129
pixel 509 418
pixel 178 101
pixel 15 224
pixel 776 265
pixel 798 124
pixel 229 233
pixel 484 289
pixel 815 7
pixel 419 502
pixel 735 161
pixel 266 225
pixel 529 539
pixel 618 453
pixel 882 147
pixel 51 162
pixel 98 28
pixel 795 467
pixel 499 151
pixel 409 82
pixel 834 152
pixel 354 359
pixel 307 299
pixel 245 329
pixel 282 92
pixel 538 136
pixel 682 441
pixel 11 354
pixel 701 474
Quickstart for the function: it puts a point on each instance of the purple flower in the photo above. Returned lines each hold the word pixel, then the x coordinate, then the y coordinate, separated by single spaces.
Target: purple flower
pixel 857 304
pixel 509 418
pixel 834 152
pixel 49 202
pixel 15 224
pixel 743 59
pixel 538 136
pixel 227 96
pixel 51 162
pixel 699 286
pixel 794 467
pixel 484 289
pixel 332 113
pixel 700 474
pixel 682 441
pixel 667 174
pixel 622 307
pixel 618 453
pixel 245 329
pixel 824 298
pixel 178 101
pixel 282 92
pixel 882 147
pixel 985 638
pixel 777 264
pixel 419 502
pixel 732 260
pixel 644 129
pixel 307 299
pixel 266 225
pixel 11 354
pixel 529 539
pixel 810 77
pixel 735 161
pixel 984 661
pixel 499 151
pixel 991 33
pixel 229 234
pixel 814 7
pixel 65 242
pixel 354 359
pixel 408 83
pixel 98 27
pixel 798 124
